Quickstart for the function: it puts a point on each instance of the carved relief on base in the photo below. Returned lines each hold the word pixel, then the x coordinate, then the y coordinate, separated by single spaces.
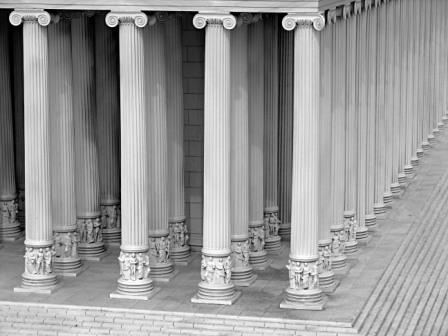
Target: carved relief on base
pixel 39 260
pixel 111 216
pixel 178 234
pixel 240 254
pixel 271 224
pixel 216 270
pixel 8 212
pixel 256 238
pixel 159 249
pixel 324 261
pixel 89 230
pixel 134 266
pixel 350 228
pixel 303 275
pixel 66 244
pixel 338 241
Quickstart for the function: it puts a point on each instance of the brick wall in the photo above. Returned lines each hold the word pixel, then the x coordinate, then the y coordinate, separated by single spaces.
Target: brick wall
pixel 193 81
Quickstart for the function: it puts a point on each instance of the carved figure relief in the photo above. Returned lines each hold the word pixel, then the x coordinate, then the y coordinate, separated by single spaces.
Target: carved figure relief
pixel 272 224
pixel 39 260
pixel 134 266
pixel 66 244
pixel 9 210
pixel 159 249
pixel 216 270
pixel 303 276
pixel 338 242
pixel 324 263
pixel 350 228
pixel 257 238
pixel 89 230
pixel 240 254
pixel 178 235
pixel 111 217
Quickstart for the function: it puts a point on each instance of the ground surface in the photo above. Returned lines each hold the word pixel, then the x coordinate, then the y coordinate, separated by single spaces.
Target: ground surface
pixel 395 285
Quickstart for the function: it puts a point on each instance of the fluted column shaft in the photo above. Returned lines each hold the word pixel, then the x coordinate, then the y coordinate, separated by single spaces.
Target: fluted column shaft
pixel 86 154
pixel 39 233
pixel 108 128
pixel 286 50
pixel 62 147
pixel 305 174
pixel 9 224
pixel 180 250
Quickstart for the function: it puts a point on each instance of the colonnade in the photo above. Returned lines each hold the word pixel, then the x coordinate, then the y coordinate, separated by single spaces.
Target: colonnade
pixel 311 126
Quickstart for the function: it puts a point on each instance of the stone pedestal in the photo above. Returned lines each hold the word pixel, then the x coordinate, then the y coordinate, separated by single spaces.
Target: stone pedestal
pixel 39 256
pixel 180 250
pixel 272 225
pixel 216 286
pixel 303 291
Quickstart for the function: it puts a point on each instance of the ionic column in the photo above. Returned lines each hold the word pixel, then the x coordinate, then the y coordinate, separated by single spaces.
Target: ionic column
pixel 426 73
pixel 286 49
pixel 372 14
pixel 134 281
pixel 421 8
pixel 380 123
pixel 303 291
pixel 38 275
pixel 9 224
pixel 326 274
pixel 180 248
pixel 62 146
pixel 216 285
pixel 433 72
pixel 108 128
pixel 257 114
pixel 351 244
pixel 162 267
pixel 89 226
pixel 272 221
pixel 361 73
pixel 242 272
pixel 338 142
pixel 19 129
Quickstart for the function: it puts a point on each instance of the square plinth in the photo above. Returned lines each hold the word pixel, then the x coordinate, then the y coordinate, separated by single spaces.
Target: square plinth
pixel 95 258
pixel 166 278
pixel 183 262
pixel 227 302
pixel 332 288
pixel 263 266
pixel 43 291
pixel 245 283
pixel 72 274
pixel 302 306
pixel 146 297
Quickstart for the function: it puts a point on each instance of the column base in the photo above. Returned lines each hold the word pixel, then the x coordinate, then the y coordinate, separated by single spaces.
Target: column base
pixel 401 179
pixel 310 299
pixel 445 119
pixel 112 237
pixel 387 197
pixel 431 139
pixel 395 190
pixel 259 260
pixel 436 133
pixel 224 294
pixel 68 267
pixel 415 161
pixel 11 232
pixel 273 245
pixel 351 247
pixel 141 289
pixel 243 276
pixel 370 221
pixel 425 146
pixel 440 125
pixel 163 272
pixel 338 262
pixel 285 231
pixel 38 284
pixel 409 172
pixel 181 255
pixel 379 208
pixel 362 235
pixel 327 283
pixel 419 152
pixel 92 252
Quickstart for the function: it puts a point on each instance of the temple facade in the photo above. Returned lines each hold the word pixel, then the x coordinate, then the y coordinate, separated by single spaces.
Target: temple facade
pixel 233 129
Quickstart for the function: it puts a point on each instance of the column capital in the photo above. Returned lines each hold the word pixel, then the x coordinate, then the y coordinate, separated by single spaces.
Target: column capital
pixel 19 15
pixel 200 20
pixel 357 7
pixel 347 11
pixel 292 20
pixel 140 19
pixel 368 4
pixel 245 18
pixel 332 16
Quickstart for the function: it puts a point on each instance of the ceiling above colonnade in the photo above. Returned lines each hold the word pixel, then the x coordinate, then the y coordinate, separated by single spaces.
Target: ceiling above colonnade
pixel 266 6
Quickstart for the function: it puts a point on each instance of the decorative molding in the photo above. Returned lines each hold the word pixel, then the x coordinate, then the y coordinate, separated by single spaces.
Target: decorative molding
pixel 290 21
pixel 18 16
pixel 228 21
pixel 138 18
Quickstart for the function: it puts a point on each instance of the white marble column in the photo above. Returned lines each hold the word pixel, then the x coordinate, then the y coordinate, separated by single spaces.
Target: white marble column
pixel 108 128
pixel 421 77
pixel 242 271
pixel 351 244
pixel 271 218
pixel 303 291
pixel 286 50
pixel 134 281
pixel 426 70
pixel 19 129
pixel 91 245
pixel 361 72
pixel 380 118
pixel 38 275
pixel 258 163
pixel 216 286
pixel 162 268
pixel 62 149
pixel 338 104
pixel 180 248
pixel 326 274
pixel 9 224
